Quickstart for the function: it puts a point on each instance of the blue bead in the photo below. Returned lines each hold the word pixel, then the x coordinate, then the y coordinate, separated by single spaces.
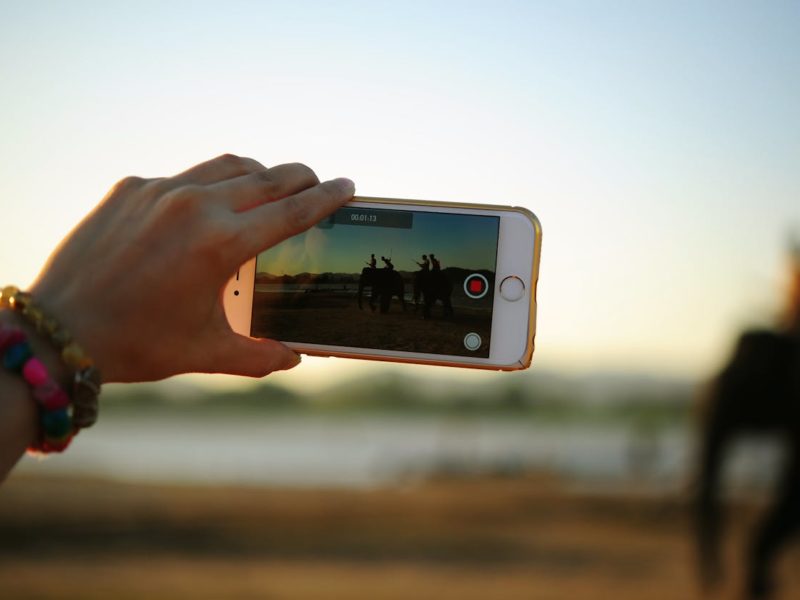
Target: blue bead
pixel 56 423
pixel 16 356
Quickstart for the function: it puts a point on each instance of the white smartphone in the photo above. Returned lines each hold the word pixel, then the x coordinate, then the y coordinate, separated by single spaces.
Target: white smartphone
pixel 399 280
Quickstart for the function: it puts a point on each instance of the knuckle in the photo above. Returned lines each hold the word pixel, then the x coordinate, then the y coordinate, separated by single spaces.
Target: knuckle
pixel 127 184
pixel 298 214
pixel 266 184
pixel 186 194
pixel 239 165
pixel 229 158
pixel 157 186
pixel 264 178
pixel 305 172
pixel 126 192
pixel 184 200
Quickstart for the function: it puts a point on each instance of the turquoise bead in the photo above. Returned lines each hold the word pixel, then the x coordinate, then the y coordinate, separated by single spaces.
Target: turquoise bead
pixel 56 423
pixel 16 356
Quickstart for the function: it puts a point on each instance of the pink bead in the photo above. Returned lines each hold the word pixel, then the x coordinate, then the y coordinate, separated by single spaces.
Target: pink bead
pixel 34 372
pixel 50 396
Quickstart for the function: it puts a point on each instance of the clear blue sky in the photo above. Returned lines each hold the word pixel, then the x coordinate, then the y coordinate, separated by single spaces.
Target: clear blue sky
pixel 658 142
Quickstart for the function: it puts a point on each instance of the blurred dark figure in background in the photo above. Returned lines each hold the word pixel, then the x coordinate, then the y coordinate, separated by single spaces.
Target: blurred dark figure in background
pixel 758 392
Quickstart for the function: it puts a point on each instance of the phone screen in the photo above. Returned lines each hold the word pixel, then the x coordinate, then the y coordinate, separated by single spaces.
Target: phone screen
pixel 374 278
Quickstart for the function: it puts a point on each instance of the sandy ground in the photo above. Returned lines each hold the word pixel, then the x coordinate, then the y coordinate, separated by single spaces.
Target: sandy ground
pixel 509 539
pixel 327 318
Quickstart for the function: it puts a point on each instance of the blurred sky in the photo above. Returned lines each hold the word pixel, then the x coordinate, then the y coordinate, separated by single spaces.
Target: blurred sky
pixel 339 247
pixel 658 142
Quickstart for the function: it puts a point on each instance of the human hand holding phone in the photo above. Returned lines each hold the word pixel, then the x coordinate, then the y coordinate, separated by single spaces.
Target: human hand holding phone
pixel 400 280
pixel 139 281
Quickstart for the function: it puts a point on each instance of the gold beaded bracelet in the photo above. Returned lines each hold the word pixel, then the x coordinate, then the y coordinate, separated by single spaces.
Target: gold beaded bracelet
pixel 86 381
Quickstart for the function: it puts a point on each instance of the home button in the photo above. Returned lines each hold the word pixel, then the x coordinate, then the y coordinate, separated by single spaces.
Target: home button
pixel 512 288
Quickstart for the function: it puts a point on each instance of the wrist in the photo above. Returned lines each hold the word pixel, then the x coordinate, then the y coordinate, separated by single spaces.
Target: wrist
pixel 75 372
pixel 19 414
pixel 82 323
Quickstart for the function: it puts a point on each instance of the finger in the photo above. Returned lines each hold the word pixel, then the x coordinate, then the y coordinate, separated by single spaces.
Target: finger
pixel 226 166
pixel 247 191
pixel 266 225
pixel 241 355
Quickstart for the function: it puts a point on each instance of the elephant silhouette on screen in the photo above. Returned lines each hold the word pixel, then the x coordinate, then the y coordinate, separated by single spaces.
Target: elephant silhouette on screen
pixel 384 284
pixel 434 287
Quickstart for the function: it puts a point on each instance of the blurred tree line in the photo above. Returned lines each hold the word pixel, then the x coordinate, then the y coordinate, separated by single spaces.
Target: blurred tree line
pixel 543 397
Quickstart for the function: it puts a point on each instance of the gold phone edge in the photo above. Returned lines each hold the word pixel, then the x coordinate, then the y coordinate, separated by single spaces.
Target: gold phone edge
pixel 527 357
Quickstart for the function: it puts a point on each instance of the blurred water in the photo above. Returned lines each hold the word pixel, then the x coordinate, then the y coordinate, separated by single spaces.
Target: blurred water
pixel 374 450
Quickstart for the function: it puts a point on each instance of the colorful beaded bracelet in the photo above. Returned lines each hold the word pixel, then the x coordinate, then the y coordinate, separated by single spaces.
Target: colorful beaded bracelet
pixel 55 412
pixel 86 381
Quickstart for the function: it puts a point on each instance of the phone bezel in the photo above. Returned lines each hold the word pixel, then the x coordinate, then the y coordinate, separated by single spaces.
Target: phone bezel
pixel 519 247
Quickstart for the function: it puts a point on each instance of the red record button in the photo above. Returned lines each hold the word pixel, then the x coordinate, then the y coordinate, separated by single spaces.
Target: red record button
pixel 476 286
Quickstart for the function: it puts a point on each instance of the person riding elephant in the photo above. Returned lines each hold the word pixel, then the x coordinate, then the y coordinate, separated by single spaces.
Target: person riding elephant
pixel 435 286
pixel 424 267
pixel 384 283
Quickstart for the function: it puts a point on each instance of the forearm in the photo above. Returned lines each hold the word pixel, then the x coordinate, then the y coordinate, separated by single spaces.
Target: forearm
pixel 18 411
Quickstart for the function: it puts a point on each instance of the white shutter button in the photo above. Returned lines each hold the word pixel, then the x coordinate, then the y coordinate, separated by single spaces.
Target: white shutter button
pixel 512 288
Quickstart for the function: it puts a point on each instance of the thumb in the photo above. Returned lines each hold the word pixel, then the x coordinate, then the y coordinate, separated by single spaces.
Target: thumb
pixel 242 355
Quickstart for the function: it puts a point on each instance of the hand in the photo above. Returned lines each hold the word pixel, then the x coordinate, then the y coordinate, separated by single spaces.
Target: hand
pixel 139 282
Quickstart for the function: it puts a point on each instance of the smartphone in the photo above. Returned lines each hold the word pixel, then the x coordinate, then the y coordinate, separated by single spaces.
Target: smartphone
pixel 411 281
